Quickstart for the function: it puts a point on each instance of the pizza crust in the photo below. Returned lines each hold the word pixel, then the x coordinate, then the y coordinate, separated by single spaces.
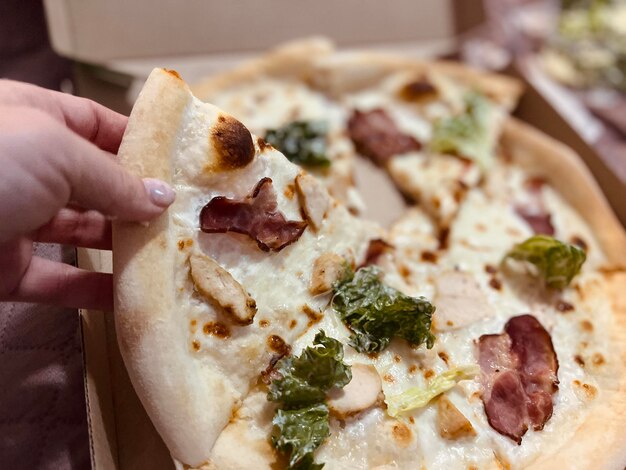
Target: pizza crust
pixel 559 165
pixel 172 388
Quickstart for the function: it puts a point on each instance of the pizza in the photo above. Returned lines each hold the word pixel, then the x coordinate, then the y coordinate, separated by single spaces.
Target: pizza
pixel 265 324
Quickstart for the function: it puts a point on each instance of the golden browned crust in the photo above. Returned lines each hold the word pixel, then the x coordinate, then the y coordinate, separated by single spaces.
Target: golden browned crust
pixel 600 441
pixel 316 62
pixel 349 71
pixel 233 143
pixel 292 60
pixel 543 156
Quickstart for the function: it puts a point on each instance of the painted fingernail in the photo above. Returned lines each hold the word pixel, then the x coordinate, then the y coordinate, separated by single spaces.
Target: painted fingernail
pixel 160 193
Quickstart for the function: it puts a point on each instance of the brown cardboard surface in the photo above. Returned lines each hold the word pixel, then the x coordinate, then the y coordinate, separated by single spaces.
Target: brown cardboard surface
pixel 536 110
pixel 96 31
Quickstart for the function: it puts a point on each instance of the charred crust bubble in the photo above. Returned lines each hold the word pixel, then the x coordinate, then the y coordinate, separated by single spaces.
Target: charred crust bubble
pixel 233 143
pixel 173 73
pixel 262 144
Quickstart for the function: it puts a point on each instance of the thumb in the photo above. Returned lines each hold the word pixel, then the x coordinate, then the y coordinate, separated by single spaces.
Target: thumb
pixel 98 182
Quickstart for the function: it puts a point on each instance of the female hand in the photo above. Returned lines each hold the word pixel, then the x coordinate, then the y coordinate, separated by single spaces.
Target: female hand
pixel 59 183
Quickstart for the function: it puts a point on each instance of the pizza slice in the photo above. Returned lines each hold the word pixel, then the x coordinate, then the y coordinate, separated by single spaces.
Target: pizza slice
pixel 240 266
pixel 434 128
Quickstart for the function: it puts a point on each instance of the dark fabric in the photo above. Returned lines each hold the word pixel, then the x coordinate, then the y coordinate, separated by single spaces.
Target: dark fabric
pixel 43 423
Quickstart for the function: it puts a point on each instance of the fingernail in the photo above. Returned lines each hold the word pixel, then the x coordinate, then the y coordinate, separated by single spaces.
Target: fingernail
pixel 160 193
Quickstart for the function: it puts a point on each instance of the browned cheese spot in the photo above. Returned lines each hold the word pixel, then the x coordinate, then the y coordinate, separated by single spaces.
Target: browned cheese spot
pixel 597 359
pixel 216 329
pixel 444 356
pixel 495 283
pixel 184 243
pixel 513 232
pixel 289 192
pixel 313 315
pixel 428 374
pixel 564 307
pixel 579 360
pixel 444 234
pixel 293 324
pixel 397 358
pixel 429 256
pixel 389 378
pixel 586 325
pixel 195 344
pixel 278 345
pixel 490 269
pixel 589 391
pixel 450 323
pixel 404 271
pixel 233 143
pixel 411 420
pixel 412 369
pixel 402 434
pixel 264 323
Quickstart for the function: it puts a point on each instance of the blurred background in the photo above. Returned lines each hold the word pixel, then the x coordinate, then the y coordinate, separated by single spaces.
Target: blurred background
pixel 571 55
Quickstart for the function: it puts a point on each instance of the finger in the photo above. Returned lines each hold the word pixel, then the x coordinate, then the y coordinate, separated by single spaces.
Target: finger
pixel 88 229
pixel 48 282
pixel 99 183
pixel 87 118
pixel 50 166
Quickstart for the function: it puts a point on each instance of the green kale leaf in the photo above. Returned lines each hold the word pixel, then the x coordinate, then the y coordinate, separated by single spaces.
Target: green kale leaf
pixel 302 142
pixel 306 378
pixel 556 262
pixel 467 134
pixel 299 432
pixel 376 312
pixel 301 425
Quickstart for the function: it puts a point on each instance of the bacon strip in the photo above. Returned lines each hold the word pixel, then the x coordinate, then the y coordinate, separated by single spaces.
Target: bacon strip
pixel 519 377
pixel 377 137
pixel 255 216
pixel 534 211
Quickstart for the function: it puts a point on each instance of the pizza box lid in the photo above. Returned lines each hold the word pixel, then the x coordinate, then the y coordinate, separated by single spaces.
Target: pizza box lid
pixel 100 32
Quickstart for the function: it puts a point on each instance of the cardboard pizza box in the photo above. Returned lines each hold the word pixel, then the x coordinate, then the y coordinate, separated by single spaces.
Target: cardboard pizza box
pixel 117 42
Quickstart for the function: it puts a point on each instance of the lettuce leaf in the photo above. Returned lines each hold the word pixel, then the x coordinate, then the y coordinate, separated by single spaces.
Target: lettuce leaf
pixel 298 433
pixel 556 262
pixel 301 425
pixel 306 378
pixel 418 397
pixel 302 142
pixel 467 134
pixel 376 312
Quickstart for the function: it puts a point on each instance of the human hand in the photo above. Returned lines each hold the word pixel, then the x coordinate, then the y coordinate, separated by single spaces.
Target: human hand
pixel 59 183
